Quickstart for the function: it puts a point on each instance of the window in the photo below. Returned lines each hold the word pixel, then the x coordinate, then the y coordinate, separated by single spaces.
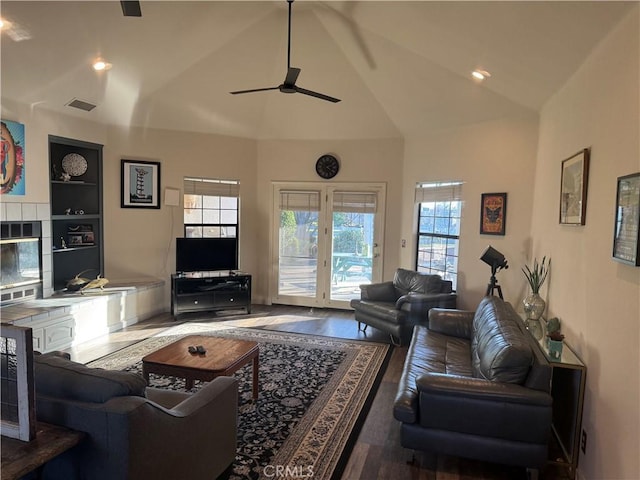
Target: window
pixel 210 207
pixel 439 215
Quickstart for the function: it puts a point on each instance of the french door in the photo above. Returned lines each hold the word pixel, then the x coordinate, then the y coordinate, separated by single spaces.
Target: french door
pixel 327 241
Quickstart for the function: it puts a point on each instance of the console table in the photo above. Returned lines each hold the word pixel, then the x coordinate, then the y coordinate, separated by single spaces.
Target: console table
pixel 568 380
pixel 20 458
pixel 210 291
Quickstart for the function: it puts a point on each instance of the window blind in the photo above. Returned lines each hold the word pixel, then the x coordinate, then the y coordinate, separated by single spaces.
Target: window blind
pixel 307 201
pixel 439 192
pixel 359 202
pixel 214 188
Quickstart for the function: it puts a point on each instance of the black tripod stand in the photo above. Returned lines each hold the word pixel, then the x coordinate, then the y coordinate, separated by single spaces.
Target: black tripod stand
pixel 492 286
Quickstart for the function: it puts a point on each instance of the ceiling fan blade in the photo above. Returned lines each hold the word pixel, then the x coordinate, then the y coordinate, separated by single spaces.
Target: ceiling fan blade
pixel 131 8
pixel 292 76
pixel 254 90
pixel 317 95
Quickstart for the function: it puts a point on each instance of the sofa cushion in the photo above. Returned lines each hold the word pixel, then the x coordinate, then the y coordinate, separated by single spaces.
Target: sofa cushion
pixel 429 352
pixel 58 377
pixel 499 350
pixel 406 281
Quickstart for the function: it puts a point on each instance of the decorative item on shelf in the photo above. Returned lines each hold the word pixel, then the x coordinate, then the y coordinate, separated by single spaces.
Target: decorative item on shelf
pixel 99 282
pixel 63 244
pixel 65 177
pixel 534 304
pixel 77 282
pixel 74 164
pixel 80 235
pixel 555 344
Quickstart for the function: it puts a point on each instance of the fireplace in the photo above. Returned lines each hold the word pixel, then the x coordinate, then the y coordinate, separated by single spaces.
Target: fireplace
pixel 20 261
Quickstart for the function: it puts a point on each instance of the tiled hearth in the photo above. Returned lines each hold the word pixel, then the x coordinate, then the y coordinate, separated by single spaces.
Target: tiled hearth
pixel 16 211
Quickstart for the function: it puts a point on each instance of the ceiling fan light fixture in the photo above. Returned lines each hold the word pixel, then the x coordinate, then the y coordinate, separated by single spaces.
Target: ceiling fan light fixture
pixel 480 75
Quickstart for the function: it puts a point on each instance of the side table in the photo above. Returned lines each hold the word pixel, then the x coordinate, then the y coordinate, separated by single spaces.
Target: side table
pixel 568 380
pixel 20 458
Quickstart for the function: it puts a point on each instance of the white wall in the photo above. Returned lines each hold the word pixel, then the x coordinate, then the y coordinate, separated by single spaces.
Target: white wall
pixel 34 204
pixel 490 157
pixel 141 242
pixel 596 298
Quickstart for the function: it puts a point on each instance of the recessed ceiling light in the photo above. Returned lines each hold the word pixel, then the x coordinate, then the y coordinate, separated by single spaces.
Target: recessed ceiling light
pixel 480 74
pixel 101 65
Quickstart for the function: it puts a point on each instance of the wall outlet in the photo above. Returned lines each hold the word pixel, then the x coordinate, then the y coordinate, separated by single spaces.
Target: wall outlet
pixel 404 243
pixel 583 443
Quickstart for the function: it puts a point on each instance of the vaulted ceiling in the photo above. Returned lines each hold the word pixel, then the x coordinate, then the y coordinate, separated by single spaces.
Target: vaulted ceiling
pixel 401 68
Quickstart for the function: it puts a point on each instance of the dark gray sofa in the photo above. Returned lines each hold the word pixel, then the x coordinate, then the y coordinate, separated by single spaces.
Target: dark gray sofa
pixel 475 385
pixel 134 432
pixel 395 307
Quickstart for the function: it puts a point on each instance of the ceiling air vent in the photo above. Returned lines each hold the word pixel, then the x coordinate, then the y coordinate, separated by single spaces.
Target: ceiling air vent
pixel 82 105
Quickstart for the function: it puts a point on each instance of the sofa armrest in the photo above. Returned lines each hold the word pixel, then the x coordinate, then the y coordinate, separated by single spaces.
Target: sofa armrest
pixel 381 292
pixel 426 301
pixel 220 390
pixel 481 407
pixel 455 323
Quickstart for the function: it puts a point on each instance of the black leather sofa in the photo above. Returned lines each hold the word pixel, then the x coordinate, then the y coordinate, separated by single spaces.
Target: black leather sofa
pixel 395 307
pixel 475 385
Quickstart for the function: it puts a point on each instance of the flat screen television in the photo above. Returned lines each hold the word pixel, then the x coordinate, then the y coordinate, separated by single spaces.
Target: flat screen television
pixel 206 254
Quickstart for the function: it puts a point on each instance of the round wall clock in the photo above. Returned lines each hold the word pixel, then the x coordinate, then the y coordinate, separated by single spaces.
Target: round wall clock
pixel 327 166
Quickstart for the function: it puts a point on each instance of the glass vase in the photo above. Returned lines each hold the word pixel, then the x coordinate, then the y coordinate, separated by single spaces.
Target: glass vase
pixel 534 306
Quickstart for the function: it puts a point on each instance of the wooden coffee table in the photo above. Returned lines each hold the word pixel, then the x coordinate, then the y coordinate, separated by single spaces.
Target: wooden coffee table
pixel 223 357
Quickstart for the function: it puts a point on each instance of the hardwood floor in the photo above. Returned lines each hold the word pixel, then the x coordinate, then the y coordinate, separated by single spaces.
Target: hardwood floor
pixel 377 453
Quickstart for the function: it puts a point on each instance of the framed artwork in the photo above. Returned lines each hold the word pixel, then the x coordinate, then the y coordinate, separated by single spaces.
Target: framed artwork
pixel 12 155
pixel 625 235
pixel 573 188
pixel 493 214
pixel 140 186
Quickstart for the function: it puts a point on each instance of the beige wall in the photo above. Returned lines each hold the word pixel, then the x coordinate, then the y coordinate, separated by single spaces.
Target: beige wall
pixel 360 161
pixel 490 157
pixel 596 298
pixel 39 124
pixel 141 242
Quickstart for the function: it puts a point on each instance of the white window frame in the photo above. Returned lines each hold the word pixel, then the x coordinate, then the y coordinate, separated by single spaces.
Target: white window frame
pixel 443 193
pixel 212 192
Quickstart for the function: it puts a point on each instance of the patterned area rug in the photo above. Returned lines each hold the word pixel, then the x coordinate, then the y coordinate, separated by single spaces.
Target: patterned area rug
pixel 314 395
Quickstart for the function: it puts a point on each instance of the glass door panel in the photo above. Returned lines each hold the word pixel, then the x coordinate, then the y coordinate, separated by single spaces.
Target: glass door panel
pixel 351 255
pixel 298 254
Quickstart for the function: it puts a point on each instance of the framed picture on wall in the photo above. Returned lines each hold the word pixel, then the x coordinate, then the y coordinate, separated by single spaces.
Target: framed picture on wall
pixel 140 184
pixel 493 214
pixel 626 231
pixel 573 188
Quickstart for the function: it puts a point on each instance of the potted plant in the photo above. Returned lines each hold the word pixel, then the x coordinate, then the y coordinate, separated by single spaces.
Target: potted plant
pixel 555 344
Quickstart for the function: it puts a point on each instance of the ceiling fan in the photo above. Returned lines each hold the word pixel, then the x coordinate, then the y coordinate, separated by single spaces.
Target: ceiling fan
pixel 289 85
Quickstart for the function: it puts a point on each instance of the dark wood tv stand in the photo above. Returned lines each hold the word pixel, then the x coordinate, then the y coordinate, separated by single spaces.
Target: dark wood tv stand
pixel 210 291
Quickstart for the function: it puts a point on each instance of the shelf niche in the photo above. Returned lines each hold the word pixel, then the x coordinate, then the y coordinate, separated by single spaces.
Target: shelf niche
pixel 76 209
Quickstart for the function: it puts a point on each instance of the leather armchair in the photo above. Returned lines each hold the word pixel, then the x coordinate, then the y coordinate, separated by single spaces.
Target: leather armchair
pixel 396 306
pixel 134 432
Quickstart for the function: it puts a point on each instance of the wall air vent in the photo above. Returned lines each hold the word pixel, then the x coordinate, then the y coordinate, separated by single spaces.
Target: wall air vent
pixel 81 104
